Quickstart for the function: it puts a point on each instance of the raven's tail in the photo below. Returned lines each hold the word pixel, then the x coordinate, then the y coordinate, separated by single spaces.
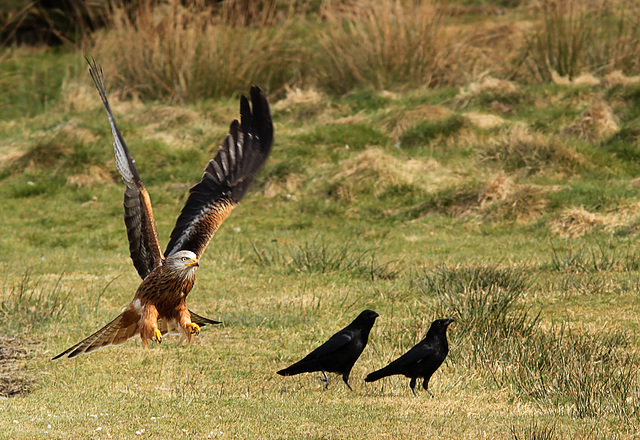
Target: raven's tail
pixel 379 374
pixel 297 368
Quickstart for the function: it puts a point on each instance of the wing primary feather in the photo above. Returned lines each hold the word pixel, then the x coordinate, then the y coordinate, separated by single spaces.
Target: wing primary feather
pixel 144 246
pixel 227 177
pixel 124 161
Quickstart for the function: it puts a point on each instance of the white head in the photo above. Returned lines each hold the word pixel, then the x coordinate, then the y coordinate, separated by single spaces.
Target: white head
pixel 183 263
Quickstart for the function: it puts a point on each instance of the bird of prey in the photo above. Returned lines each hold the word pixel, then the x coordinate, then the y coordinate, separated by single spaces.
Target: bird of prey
pixel 339 353
pixel 422 360
pixel 158 306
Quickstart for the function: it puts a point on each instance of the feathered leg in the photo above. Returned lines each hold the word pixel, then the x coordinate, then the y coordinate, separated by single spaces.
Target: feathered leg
pixel 149 325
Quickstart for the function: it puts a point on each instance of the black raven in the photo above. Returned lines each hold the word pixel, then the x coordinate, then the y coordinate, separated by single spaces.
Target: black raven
pixel 422 360
pixel 339 353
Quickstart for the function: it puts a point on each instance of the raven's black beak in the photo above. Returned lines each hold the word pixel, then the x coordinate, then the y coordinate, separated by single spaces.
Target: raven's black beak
pixel 450 320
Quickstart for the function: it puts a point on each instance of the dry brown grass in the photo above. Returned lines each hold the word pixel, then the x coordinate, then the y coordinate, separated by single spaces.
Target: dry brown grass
pixel 398 122
pixel 13 355
pixel 387 44
pixel 575 37
pixel 95 175
pixel 521 149
pixel 491 88
pixel 501 198
pixel 296 96
pixel 576 222
pixel 484 120
pixel 373 171
pixel 596 123
pixel 185 52
pixel 617 78
pixel 524 203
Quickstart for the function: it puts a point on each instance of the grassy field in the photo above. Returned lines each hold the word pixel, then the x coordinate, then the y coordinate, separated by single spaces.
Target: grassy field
pixel 509 205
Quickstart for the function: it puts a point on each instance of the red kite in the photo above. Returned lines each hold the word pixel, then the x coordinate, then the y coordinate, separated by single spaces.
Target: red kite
pixel 158 306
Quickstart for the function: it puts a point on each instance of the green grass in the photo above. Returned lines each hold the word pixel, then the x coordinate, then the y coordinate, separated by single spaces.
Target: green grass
pixel 530 245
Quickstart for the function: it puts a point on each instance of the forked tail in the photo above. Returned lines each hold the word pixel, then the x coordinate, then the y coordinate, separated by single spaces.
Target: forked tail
pixel 118 331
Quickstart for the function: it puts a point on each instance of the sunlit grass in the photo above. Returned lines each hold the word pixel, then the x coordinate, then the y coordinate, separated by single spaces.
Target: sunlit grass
pixel 527 239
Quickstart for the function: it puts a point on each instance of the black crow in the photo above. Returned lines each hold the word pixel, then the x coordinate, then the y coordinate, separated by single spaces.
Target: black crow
pixel 422 360
pixel 339 353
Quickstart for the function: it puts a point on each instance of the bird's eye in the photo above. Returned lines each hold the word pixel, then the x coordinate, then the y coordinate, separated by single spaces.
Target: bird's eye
pixel 184 258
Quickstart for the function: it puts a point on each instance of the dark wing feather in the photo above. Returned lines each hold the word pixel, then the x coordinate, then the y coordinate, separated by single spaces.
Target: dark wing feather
pixel 226 178
pixel 314 360
pixel 144 246
pixel 335 343
pixel 414 356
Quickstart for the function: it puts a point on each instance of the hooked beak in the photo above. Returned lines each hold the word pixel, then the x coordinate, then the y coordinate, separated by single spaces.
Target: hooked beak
pixel 449 321
pixel 194 263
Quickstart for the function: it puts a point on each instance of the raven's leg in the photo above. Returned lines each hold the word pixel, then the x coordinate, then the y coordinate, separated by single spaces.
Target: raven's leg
pixel 412 384
pixel 345 377
pixel 425 385
pixel 325 380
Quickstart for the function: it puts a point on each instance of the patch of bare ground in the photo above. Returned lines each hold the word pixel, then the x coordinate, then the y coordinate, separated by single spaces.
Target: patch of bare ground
pixel 14 352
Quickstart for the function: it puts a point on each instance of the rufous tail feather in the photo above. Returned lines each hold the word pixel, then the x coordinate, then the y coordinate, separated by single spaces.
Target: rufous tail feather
pixel 118 331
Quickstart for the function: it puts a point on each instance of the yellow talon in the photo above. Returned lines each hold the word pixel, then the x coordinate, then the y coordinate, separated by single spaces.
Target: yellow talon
pixel 157 336
pixel 194 328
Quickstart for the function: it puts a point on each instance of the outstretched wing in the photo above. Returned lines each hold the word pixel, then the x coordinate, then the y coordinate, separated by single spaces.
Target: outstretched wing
pixel 226 178
pixel 144 246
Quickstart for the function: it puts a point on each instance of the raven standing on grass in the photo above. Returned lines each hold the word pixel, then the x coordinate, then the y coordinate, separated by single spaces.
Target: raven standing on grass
pixel 422 360
pixel 339 353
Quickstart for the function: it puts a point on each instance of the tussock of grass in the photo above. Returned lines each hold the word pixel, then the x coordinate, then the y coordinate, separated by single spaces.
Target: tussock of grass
pixel 325 259
pixel 489 90
pixel 601 257
pixel 512 201
pixel 536 431
pixel 576 222
pixel 484 299
pixel 576 37
pixel 184 53
pixel 387 43
pixel 619 79
pixel 424 132
pixel 32 303
pixel 596 123
pixel 404 119
pixel 57 161
pixel 561 368
pixel 298 97
pixel 484 121
pixel 533 152
pixel 373 172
